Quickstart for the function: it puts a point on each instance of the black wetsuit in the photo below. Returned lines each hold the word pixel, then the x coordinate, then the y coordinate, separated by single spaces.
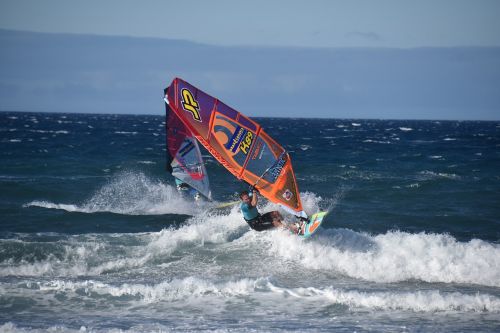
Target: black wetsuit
pixel 261 222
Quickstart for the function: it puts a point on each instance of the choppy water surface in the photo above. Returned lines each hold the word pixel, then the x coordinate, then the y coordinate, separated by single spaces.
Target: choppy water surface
pixel 94 236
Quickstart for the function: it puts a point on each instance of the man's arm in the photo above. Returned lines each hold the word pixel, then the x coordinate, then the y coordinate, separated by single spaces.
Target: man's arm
pixel 254 198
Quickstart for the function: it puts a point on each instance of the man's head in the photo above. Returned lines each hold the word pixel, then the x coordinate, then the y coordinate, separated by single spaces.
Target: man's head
pixel 245 197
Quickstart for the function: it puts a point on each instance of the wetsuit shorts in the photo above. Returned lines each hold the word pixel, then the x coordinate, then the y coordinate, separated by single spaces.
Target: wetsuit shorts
pixel 261 222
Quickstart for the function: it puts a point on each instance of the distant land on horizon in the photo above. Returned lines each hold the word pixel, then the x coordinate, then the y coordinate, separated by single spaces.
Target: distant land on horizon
pixel 44 72
pixel 354 120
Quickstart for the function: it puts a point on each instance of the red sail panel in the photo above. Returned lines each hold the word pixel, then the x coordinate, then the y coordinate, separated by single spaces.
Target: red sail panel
pixel 237 142
pixel 175 132
pixel 184 160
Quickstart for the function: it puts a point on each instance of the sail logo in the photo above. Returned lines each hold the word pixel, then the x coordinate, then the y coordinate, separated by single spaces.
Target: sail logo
pixel 258 150
pixel 276 170
pixel 287 195
pixel 246 143
pixel 190 104
pixel 236 140
pixel 232 136
pixel 187 148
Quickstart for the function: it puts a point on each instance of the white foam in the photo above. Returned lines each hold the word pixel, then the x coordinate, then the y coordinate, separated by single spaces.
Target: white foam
pixel 50 205
pixel 126 133
pixel 433 175
pixel 406 129
pixel 10 327
pixel 376 141
pixel 131 193
pixel 49 131
pixel 218 227
pixel 396 256
pixel 421 301
pixel 205 228
pixel 263 288
pixel 85 256
pixel 385 258
pixel 177 289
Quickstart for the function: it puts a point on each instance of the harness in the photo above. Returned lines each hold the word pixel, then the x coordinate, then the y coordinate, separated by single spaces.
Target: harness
pixel 257 218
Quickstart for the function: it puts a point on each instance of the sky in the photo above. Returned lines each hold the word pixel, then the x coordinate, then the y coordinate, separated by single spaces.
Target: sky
pixel 392 59
pixel 315 23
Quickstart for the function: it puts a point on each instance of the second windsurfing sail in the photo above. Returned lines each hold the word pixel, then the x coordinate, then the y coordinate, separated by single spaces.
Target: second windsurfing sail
pixel 238 143
pixel 184 160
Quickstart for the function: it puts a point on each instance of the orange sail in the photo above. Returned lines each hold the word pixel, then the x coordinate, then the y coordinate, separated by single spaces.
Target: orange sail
pixel 238 143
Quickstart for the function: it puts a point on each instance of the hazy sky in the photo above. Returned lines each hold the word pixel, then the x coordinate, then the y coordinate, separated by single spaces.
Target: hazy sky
pixel 385 75
pixel 316 23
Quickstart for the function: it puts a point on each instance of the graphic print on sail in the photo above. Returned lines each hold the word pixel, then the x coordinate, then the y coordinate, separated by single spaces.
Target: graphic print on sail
pixel 238 143
pixel 184 160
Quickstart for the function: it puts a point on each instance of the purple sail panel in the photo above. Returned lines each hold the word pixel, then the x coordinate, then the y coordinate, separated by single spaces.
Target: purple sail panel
pixel 196 107
pixel 227 111
pixel 247 123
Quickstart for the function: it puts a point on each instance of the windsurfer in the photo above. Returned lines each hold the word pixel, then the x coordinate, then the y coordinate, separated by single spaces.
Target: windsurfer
pixel 260 222
pixel 183 187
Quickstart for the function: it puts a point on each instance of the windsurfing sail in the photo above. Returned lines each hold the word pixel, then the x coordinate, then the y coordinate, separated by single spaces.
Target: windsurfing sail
pixel 238 143
pixel 184 160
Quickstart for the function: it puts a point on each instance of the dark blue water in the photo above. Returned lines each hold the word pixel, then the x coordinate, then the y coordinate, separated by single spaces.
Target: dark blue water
pixel 94 236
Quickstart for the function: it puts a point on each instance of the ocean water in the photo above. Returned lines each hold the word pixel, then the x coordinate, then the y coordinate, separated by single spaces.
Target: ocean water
pixel 94 237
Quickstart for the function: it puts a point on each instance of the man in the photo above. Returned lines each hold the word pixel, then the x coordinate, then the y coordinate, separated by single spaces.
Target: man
pixel 259 222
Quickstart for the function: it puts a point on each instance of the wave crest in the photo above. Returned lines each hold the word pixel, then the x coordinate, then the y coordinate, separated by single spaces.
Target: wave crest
pixel 397 256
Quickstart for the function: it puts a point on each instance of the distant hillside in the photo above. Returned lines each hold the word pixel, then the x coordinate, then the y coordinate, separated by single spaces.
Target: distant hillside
pixel 86 73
